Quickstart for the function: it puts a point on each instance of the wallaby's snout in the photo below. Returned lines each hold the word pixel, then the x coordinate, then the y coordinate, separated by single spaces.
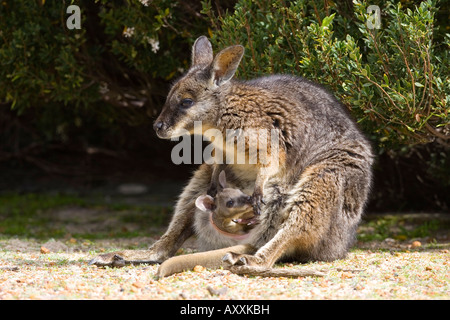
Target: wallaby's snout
pixel 243 201
pixel 163 125
pixel 160 128
pixel 159 125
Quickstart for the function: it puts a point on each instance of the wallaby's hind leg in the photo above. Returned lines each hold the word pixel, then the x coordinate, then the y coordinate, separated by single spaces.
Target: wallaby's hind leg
pixel 180 228
pixel 314 213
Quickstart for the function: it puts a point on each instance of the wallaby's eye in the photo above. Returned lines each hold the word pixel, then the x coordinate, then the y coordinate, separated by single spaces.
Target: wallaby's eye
pixel 186 103
pixel 229 203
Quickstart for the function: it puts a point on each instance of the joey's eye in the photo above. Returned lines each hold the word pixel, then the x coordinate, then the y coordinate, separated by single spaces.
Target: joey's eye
pixel 229 203
pixel 186 103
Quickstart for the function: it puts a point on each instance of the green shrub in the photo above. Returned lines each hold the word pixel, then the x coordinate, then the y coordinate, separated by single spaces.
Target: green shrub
pixel 394 80
pixel 114 71
pixel 63 91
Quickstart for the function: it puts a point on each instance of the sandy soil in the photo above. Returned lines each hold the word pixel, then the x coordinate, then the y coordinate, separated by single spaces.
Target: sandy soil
pixel 58 269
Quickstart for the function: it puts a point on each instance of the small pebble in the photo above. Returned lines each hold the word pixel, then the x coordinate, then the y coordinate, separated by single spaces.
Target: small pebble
pixel 217 292
pixel 138 284
pixel 44 250
pixel 199 268
pixel 416 244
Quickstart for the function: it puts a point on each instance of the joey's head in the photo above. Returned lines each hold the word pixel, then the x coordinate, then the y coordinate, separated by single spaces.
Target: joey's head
pixel 231 202
pixel 230 212
pixel 228 203
pixel 196 95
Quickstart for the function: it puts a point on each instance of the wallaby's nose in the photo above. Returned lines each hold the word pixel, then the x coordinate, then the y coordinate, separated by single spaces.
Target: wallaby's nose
pixel 158 125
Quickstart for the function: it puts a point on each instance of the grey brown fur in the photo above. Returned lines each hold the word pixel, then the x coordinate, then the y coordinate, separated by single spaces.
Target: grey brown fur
pixel 313 200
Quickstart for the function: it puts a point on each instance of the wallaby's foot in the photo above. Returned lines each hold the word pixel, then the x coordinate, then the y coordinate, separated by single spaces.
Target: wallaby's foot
pixel 257 200
pixel 122 258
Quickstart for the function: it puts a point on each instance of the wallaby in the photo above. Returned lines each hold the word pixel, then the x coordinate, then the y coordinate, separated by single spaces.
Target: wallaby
pixel 313 200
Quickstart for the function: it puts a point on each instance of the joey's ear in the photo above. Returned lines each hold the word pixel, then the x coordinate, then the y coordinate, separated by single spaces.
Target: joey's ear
pixel 225 64
pixel 205 203
pixel 202 52
pixel 222 180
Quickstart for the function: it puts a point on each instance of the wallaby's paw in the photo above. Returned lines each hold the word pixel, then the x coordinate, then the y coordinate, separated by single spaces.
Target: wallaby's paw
pixel 257 201
pixel 120 259
pixel 112 259
pixel 233 259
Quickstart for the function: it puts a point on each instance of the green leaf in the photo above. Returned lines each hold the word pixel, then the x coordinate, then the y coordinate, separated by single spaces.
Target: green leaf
pixel 328 20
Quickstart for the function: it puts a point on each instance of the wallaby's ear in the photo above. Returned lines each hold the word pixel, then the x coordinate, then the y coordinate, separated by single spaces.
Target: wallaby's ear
pixel 205 203
pixel 225 64
pixel 202 52
pixel 222 180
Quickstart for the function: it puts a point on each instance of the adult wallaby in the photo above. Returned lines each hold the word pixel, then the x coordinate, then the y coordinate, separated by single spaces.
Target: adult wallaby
pixel 314 198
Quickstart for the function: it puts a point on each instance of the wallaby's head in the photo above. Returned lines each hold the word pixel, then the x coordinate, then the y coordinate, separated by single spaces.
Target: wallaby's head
pixel 228 203
pixel 196 95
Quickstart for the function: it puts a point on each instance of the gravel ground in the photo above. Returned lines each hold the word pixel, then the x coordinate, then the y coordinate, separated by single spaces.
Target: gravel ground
pixel 389 269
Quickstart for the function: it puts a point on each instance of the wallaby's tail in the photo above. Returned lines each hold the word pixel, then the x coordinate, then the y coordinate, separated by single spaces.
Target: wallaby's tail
pixel 208 259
